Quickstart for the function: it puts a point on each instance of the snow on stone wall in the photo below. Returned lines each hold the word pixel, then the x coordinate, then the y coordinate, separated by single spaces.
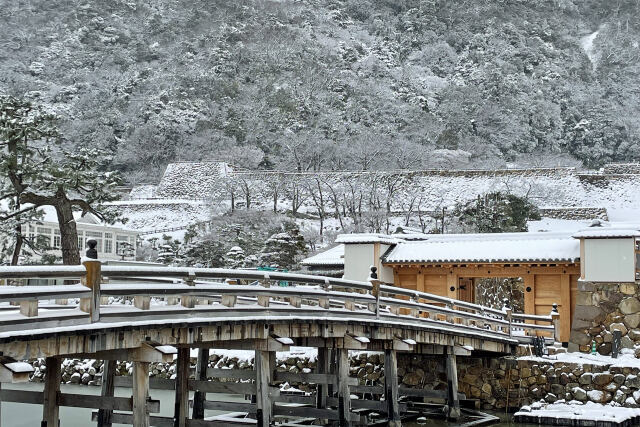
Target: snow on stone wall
pixel 429 190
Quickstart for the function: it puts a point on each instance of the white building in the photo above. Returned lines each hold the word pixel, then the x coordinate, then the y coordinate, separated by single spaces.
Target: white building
pixel 110 238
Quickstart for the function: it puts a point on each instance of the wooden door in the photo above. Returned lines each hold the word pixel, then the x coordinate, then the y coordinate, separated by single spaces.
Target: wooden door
pixel 466 289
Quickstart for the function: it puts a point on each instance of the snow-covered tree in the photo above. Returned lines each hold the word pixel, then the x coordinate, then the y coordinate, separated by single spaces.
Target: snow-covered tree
pixel 283 249
pixel 235 258
pixel 496 213
pixel 42 172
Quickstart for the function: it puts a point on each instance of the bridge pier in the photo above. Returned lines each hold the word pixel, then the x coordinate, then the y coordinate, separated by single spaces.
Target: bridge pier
pixel 264 363
pixel 181 413
pixel 200 396
pixel 391 387
pixel 140 394
pixel 453 401
pixel 344 395
pixel 108 389
pixel 50 408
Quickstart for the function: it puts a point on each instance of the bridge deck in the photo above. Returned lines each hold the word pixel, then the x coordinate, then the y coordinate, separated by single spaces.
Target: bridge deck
pixel 147 314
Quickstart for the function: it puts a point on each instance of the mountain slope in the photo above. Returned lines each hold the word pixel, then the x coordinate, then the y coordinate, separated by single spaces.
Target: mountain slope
pixel 327 84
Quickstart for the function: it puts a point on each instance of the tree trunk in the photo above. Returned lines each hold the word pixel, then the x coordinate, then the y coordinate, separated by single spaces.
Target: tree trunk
pixel 19 239
pixel 68 231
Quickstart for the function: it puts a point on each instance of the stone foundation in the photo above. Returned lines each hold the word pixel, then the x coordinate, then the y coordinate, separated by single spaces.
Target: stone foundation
pixel 495 382
pixel 602 308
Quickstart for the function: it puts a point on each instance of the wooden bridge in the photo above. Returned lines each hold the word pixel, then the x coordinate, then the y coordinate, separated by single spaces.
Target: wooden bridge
pixel 174 310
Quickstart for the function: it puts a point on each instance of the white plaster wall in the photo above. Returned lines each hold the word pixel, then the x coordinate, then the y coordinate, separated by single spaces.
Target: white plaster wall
pixel 384 273
pixel 358 258
pixel 609 260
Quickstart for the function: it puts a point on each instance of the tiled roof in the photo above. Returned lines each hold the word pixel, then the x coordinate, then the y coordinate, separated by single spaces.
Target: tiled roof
pixel 329 258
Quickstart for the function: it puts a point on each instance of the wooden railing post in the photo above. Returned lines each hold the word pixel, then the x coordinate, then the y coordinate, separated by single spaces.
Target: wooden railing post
pixel 508 314
pixel 263 300
pixel 555 318
pixel 187 300
pixel 324 302
pixel 92 280
pixel 375 290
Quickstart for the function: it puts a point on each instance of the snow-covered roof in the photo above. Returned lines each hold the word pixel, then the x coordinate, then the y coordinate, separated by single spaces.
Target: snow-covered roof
pixel 330 258
pixel 481 248
pixel 367 238
pixel 607 233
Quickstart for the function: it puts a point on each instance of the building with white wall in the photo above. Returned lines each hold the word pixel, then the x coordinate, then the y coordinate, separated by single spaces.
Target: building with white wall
pixel 112 239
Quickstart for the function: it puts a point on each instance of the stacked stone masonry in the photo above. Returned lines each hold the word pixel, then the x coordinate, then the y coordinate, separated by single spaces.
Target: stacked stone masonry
pixel 495 382
pixel 602 308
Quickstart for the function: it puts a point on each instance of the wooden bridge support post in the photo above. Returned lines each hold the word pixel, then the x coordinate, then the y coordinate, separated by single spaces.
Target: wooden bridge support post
pixel 50 408
pixel 140 394
pixel 344 395
pixel 182 388
pixel 391 388
pixel 453 400
pixel 201 375
pixel 108 389
pixel 322 365
pixel 264 366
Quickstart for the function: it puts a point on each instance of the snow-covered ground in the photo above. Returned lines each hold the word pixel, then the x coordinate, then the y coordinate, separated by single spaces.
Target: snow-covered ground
pixel 625 360
pixel 575 410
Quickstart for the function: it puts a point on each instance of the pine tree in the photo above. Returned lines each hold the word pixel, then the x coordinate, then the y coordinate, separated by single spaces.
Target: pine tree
pixel 41 172
pixel 235 258
pixel 283 249
pixel 496 213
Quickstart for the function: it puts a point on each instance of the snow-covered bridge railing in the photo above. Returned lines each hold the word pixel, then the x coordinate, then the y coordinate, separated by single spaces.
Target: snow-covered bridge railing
pixel 146 295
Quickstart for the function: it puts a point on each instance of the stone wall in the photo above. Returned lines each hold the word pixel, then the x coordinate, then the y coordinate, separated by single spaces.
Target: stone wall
pixel 602 308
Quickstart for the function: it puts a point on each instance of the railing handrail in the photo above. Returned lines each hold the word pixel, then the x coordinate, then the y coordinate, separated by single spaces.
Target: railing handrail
pixel 327 291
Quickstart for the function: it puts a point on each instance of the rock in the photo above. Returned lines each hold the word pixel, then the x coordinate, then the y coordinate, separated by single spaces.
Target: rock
pixel 619 397
pixel 628 288
pixel 607 336
pixel 626 342
pixel 550 397
pixel 557 389
pixel 584 298
pixel 585 378
pixel 411 379
pixel 619 378
pixel 611 387
pixel 579 394
pixel 618 327
pixel 636 396
pixel 634 334
pixel 630 402
pixel 632 320
pixel 486 388
pixel 596 396
pixel 629 305
pixel 580 338
pixel 605 348
pixel 632 381
pixel 602 379
pixel 75 378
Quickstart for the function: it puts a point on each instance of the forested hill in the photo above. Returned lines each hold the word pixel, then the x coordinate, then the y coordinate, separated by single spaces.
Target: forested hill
pixel 329 84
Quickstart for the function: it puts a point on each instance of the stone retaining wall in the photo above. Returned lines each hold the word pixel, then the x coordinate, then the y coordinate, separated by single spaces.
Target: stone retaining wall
pixel 602 308
pixel 496 382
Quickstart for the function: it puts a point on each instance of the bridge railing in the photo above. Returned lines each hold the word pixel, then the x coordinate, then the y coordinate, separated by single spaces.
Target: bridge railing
pixel 147 294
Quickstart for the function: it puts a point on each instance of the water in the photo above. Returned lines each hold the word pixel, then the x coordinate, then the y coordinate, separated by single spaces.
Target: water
pixel 26 415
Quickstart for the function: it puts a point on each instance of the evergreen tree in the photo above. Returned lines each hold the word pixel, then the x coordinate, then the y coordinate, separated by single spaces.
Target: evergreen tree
pixel 496 213
pixel 41 172
pixel 235 258
pixel 283 249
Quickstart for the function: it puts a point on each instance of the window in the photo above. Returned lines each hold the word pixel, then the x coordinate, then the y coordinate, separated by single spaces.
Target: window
pixel 44 235
pixel 97 236
pixel 57 241
pixel 80 240
pixel 108 243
